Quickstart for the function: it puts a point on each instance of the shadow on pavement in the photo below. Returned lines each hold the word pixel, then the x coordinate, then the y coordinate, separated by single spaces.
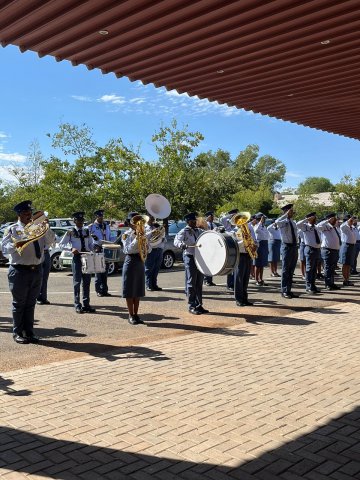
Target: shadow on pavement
pixel 202 329
pixel 109 352
pixel 328 452
pixel 5 387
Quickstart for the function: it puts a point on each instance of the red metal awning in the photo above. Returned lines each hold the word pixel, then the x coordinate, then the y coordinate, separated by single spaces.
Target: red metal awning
pixel 294 60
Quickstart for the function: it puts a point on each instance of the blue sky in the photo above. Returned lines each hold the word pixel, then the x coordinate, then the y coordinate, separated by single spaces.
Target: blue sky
pixel 38 94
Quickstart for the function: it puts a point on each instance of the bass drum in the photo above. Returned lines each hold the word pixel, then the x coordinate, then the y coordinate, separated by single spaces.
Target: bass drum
pixel 216 253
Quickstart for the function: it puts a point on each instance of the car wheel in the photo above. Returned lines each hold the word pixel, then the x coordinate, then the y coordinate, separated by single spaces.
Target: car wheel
pixel 111 268
pixel 168 260
pixel 55 262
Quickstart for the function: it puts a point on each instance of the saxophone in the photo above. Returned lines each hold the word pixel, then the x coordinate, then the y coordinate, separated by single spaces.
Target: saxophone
pixel 241 221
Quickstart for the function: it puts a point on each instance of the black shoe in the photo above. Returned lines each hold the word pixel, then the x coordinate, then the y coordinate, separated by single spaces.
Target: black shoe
pixel 309 290
pixel 150 289
pixel 194 311
pixel 287 295
pixel 43 302
pixel 138 319
pixel 157 289
pixel 229 289
pixel 293 295
pixel 32 339
pixel 248 304
pixel 132 320
pixel 99 294
pixel 78 310
pixel 20 339
pixel 241 304
pixel 346 283
pixel 88 309
pixel 201 309
pixel 320 276
pixel 107 294
pixel 208 284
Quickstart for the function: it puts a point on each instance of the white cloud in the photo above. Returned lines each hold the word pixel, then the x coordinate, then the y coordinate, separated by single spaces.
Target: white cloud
pixel 294 175
pixel 6 176
pixel 81 98
pixel 113 99
pixel 175 93
pixel 3 135
pixel 12 157
pixel 137 100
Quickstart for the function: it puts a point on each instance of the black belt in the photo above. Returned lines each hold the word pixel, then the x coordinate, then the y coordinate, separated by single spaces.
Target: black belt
pixel 290 244
pixel 349 244
pixel 331 249
pixel 316 248
pixel 26 267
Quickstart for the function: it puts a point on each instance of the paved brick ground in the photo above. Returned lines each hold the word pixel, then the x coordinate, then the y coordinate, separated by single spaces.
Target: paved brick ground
pixel 270 400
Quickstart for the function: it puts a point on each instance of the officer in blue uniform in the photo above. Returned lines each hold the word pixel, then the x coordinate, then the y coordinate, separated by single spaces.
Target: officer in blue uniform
pixel 229 228
pixel 186 239
pixel 208 279
pixel 154 259
pixel 25 274
pixel 312 243
pixel 330 246
pixel 289 252
pixel 100 231
pixel 77 240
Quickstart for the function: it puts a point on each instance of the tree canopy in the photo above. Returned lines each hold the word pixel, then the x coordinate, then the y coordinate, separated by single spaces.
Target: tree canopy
pixel 81 175
pixel 315 185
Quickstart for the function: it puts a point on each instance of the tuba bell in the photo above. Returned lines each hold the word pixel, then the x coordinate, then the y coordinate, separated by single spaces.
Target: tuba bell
pixel 159 207
pixel 241 221
pixel 34 230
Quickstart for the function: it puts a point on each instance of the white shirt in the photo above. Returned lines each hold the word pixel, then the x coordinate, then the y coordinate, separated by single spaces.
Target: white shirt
pixel 261 232
pixel 330 238
pixel 274 232
pixel 71 240
pixel 309 233
pixel 130 242
pixel 187 237
pixel 348 234
pixel 283 223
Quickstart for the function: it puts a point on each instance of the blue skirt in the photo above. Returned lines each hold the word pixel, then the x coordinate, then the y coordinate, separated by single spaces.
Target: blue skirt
pixel 274 250
pixel 133 277
pixel 262 254
pixel 347 254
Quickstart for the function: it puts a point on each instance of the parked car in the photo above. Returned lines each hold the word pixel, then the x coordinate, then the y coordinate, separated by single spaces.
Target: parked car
pixel 55 252
pixel 61 222
pixel 3 260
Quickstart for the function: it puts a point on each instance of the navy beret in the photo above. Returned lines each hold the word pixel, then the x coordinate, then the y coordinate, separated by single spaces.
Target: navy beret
pixel 330 215
pixel 233 211
pixel 312 214
pixel 131 215
pixel 207 214
pixel 23 206
pixel 78 215
pixel 287 207
pixel 190 216
pixel 99 213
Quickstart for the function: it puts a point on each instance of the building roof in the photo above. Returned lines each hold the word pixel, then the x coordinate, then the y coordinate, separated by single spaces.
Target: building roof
pixel 324 198
pixel 294 60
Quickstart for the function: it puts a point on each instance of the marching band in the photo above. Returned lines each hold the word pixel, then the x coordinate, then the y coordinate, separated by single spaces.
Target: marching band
pixel 242 244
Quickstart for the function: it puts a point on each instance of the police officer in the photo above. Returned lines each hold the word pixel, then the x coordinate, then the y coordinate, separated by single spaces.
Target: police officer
pixel 229 228
pixel 78 240
pixel 154 258
pixel 357 247
pixel 46 266
pixel 289 251
pixel 330 246
pixel 274 248
pixel 186 239
pixel 208 279
pixel 348 248
pixel 311 251
pixel 100 231
pixel 25 273
pixel 262 238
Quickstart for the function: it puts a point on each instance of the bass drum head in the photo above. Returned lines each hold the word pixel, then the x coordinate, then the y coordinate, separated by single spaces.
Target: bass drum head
pixel 215 253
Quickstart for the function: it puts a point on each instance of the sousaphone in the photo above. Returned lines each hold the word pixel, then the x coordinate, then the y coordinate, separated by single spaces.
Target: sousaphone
pixel 159 207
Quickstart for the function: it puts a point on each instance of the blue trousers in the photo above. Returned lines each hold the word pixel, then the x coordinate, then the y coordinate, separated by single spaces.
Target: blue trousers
pixel 25 287
pixel 101 285
pixel 241 277
pixel 230 280
pixel 312 257
pixel 357 250
pixel 46 266
pixel 194 282
pixel 152 267
pixel 78 279
pixel 289 254
pixel 330 258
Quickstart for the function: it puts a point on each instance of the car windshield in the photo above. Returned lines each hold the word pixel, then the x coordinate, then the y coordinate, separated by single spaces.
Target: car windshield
pixel 175 227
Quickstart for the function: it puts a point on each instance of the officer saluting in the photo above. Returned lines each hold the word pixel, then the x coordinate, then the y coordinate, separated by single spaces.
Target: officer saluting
pixel 186 239
pixel 100 231
pixel 78 240
pixel 25 274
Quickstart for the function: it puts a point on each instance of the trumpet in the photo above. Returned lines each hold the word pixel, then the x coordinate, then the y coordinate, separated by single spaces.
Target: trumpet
pixel 241 221
pixel 139 222
pixel 34 230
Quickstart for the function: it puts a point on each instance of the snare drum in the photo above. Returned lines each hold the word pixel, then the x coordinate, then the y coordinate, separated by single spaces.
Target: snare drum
pixel 216 253
pixel 92 263
pixel 112 252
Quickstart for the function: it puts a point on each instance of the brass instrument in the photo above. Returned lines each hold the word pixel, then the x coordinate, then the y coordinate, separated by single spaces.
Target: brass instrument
pixel 241 221
pixel 139 222
pixel 159 207
pixel 34 230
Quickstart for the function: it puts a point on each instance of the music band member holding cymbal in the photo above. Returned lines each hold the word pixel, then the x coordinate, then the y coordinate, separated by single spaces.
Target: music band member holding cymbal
pixel 186 239
pixel 78 240
pixel 25 272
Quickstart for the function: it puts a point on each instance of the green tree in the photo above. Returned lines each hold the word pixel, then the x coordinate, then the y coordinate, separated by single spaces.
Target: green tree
pixel 347 196
pixel 307 203
pixel 315 185
pixel 249 200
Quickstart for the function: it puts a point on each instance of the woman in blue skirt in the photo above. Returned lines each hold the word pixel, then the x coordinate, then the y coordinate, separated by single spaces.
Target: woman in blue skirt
pixel 274 248
pixel 262 238
pixel 133 272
